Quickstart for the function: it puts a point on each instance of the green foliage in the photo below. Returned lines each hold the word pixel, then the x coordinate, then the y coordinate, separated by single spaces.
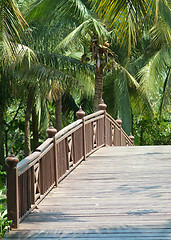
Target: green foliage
pixel 14 128
pixel 4 223
pixel 62 32
pixel 2 188
pixel 156 131
pixel 2 178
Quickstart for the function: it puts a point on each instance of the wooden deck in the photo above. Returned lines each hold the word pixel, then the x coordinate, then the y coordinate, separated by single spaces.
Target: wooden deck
pixel 117 193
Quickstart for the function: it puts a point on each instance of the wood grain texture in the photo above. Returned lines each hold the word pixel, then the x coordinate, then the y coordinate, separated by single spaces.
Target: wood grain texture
pixel 117 193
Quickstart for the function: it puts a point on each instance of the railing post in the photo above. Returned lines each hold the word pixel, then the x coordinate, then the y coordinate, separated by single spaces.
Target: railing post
pixel 103 106
pixel 119 121
pixel 131 137
pixel 12 190
pixel 80 115
pixel 51 131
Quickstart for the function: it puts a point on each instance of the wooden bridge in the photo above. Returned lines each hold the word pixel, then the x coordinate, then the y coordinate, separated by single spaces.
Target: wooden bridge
pixel 118 192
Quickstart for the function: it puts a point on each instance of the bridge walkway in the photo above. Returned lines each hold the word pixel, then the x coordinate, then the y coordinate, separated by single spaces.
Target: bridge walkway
pixel 117 193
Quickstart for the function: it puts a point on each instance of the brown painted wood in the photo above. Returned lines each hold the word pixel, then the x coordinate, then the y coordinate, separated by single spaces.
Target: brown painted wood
pixel 12 192
pixel 117 193
pixel 69 146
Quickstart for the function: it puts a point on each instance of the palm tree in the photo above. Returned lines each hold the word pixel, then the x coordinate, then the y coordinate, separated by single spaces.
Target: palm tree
pixel 47 34
pixel 126 19
pixel 155 76
pixel 128 25
pixel 88 31
pixel 12 34
pixel 91 34
pixel 105 58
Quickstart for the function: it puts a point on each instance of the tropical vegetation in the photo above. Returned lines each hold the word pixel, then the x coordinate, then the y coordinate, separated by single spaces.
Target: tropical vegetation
pixel 58 55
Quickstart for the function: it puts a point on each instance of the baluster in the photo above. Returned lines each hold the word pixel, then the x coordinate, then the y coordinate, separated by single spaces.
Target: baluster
pixel 94 134
pixel 36 181
pixel 113 134
pixel 70 154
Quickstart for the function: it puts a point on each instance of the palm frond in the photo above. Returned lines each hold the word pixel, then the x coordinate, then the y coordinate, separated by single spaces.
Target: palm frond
pixel 48 11
pixel 165 11
pixel 81 74
pixel 125 18
pixel 153 75
pixel 117 98
pixel 12 31
pixel 161 34
pixel 138 98
pixel 25 52
pixel 73 40
pixel 86 30
pixel 166 89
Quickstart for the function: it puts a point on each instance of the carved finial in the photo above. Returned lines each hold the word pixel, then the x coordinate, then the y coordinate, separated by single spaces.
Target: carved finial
pixel 12 152
pixel 51 131
pixel 80 113
pixel 131 137
pixel 102 105
pixel 12 160
pixel 119 121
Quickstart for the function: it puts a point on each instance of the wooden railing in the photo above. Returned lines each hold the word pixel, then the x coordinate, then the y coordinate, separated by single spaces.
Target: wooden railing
pixel 31 179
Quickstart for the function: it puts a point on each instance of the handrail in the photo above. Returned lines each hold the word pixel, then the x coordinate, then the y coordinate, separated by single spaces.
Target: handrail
pixel 30 180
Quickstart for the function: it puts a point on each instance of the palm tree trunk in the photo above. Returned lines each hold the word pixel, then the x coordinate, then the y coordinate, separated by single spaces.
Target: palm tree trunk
pixel 98 53
pixel 27 150
pixel 2 159
pixel 35 129
pixel 58 112
pixel 164 93
pixel 98 87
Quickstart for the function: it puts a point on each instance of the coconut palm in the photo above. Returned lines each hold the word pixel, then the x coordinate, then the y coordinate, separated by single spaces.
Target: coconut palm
pixel 126 19
pixel 68 70
pixel 12 34
pixel 88 31
pixel 155 75
pixel 46 34
pixel 89 34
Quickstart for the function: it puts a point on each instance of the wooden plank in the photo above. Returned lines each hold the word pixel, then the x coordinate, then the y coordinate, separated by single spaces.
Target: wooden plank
pixel 117 193
pixel 55 235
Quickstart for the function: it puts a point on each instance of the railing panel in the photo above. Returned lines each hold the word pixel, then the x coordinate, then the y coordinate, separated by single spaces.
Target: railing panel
pixel 123 140
pixel 24 193
pixel 35 175
pixel 89 137
pixel 62 157
pixel 117 136
pixel 20 188
pixel 31 183
pixel 78 145
pixel 108 132
pixel 100 135
pixel 45 173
